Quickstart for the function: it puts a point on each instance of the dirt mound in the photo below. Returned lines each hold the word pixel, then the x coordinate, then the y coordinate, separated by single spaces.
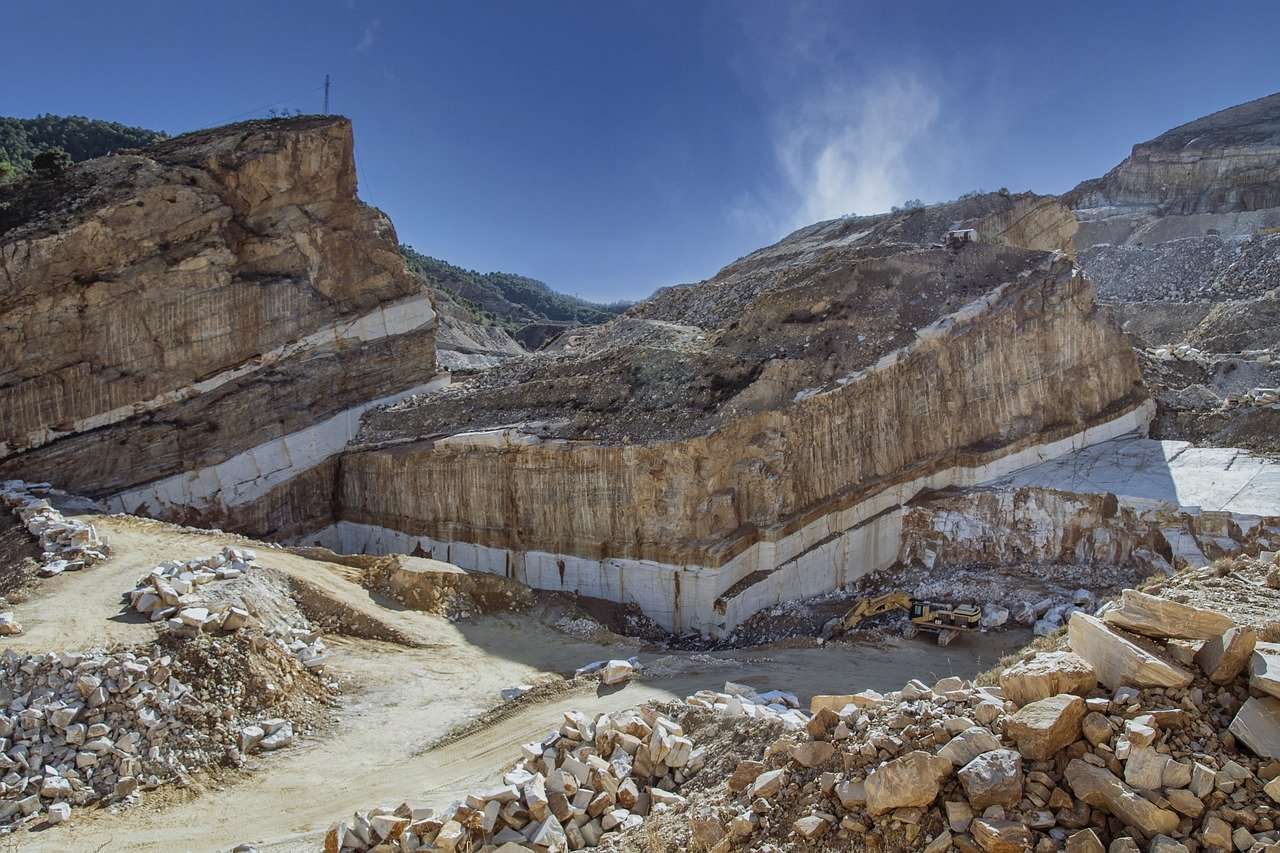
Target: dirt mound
pixel 19 559
pixel 248 680
pixel 444 589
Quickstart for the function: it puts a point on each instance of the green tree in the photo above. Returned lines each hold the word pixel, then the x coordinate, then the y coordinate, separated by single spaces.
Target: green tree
pixel 51 162
pixel 21 139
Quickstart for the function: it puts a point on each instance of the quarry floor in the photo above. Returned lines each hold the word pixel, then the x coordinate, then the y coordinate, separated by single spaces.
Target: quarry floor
pixel 398 698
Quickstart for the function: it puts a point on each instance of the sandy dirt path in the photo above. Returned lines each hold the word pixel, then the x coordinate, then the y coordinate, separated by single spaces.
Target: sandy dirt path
pixel 87 608
pixel 414 696
pixel 401 698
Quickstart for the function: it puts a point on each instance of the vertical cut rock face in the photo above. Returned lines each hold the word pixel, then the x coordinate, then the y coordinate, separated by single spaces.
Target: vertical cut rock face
pixel 752 438
pixel 187 326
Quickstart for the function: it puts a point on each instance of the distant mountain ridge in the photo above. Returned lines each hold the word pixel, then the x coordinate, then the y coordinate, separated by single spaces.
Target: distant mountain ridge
pixel 507 299
pixel 81 137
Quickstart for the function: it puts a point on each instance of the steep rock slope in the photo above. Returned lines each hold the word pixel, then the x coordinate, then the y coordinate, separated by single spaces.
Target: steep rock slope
pixel 464 341
pixel 755 435
pixel 188 326
pixel 1183 239
pixel 489 318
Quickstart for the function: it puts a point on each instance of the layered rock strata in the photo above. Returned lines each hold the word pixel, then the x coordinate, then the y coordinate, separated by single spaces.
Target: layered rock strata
pixel 1183 239
pixel 190 325
pixel 810 394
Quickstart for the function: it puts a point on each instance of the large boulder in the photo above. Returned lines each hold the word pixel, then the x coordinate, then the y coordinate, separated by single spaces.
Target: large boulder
pixel 1264 668
pixel 1100 788
pixel 1224 657
pixel 617 672
pixel 1047 674
pixel 1043 727
pixel 1257 726
pixel 1162 618
pixel 968 745
pixel 993 779
pixel 912 780
pixel 1119 661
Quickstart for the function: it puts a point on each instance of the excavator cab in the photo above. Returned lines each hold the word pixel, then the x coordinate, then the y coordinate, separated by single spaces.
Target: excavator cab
pixel 967 616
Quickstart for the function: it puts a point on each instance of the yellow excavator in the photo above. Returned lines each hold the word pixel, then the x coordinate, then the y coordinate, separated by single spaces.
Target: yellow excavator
pixel 948 620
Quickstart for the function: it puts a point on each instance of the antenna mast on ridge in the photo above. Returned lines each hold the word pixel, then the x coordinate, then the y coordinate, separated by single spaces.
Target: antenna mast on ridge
pixel 326 95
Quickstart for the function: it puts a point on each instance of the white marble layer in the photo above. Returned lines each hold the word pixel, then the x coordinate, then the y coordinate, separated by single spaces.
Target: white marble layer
pixel 1146 473
pixel 825 554
pixel 395 318
pixel 249 475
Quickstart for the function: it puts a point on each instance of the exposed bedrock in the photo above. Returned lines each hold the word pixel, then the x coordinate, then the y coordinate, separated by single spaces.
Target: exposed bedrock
pixel 198 302
pixel 1189 217
pixel 788 490
pixel 1220 163
pixel 1156 505
pixel 1183 240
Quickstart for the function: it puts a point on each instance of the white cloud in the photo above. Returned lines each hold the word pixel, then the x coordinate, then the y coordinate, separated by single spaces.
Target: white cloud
pixel 370 35
pixel 855 126
pixel 849 147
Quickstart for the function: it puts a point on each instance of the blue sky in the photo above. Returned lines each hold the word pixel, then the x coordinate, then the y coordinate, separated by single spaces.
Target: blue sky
pixel 613 147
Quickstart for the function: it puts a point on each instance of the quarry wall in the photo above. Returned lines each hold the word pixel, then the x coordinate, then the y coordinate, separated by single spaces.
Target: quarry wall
pixel 190 325
pixel 703 532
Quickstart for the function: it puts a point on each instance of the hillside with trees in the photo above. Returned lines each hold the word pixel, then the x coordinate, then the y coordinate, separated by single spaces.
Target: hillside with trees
pixel 506 299
pixel 22 139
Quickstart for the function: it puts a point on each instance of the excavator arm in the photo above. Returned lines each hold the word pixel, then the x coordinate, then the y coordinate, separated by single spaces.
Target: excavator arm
pixel 868 607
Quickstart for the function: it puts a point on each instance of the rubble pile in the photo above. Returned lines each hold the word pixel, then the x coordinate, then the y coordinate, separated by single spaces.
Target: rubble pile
pixel 67 543
pixel 1225 380
pixel 738 700
pixel 1196 269
pixel 170 594
pixel 1246 587
pixel 80 727
pixel 589 779
pixel 1158 729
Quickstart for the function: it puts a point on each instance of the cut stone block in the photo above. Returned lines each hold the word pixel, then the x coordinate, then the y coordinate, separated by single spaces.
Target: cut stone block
pixel 912 780
pixel 1257 726
pixel 1119 661
pixel 1223 658
pixel 1264 668
pixel 1154 616
pixel 993 778
pixel 1043 727
pixel 1100 788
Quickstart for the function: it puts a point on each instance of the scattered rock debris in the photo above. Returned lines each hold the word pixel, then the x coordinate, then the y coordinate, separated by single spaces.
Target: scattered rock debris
pixel 185 598
pixel 78 728
pixel 66 543
pixel 590 778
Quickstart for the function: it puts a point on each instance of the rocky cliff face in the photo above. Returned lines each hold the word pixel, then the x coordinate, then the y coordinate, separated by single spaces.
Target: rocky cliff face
pixel 752 438
pixel 176 319
pixel 1219 164
pixel 1183 239
pixel 1191 216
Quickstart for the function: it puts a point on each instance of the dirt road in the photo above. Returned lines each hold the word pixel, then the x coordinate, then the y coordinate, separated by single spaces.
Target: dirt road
pixel 402 698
